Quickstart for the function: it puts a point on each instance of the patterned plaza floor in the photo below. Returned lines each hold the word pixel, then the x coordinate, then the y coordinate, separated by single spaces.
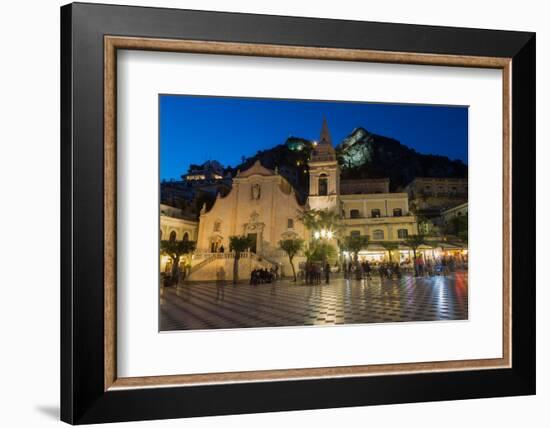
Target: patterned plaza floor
pixel 209 306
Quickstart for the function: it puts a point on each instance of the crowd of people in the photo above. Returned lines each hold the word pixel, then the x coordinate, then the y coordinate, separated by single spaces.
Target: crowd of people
pixel 438 266
pixel 314 273
pixel 263 276
pixel 421 266
pixel 365 269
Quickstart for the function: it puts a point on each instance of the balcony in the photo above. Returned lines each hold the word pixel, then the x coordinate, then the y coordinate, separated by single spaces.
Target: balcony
pixel 409 218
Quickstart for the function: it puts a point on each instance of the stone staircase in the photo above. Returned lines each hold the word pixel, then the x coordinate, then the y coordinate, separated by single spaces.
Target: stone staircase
pixel 205 269
pixel 265 263
pixel 202 263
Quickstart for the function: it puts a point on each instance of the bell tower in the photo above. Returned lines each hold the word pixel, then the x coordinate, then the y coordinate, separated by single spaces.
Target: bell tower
pixel 324 173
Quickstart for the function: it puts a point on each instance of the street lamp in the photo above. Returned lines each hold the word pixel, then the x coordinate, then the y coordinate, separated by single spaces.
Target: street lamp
pixel 323 233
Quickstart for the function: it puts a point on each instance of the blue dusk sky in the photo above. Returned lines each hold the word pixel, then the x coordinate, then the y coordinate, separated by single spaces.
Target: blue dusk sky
pixel 194 129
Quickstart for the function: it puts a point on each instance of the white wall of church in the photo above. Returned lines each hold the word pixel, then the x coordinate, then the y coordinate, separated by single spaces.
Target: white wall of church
pixel 262 204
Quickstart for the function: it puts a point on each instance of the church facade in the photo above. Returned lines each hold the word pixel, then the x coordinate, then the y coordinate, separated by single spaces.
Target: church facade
pixel 261 205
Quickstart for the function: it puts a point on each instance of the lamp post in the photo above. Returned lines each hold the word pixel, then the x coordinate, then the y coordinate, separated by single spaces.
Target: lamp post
pixel 324 235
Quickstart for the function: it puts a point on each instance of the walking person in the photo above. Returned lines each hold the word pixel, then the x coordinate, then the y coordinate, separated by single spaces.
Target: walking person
pixel 327 273
pixel 397 270
pixel 220 284
pixel 367 269
pixel 358 271
pixel 444 266
pixel 381 271
pixel 318 269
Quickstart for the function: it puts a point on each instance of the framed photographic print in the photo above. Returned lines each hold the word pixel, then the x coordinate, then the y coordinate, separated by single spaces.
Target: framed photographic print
pixel 265 213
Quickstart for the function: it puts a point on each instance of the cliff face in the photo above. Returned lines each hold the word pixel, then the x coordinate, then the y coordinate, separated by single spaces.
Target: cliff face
pixel 366 155
pixel 361 155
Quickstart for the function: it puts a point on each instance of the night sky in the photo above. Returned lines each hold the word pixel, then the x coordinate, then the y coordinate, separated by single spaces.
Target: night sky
pixel 195 129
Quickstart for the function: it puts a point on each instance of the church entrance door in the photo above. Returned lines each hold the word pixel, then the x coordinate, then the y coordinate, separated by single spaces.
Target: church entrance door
pixel 254 239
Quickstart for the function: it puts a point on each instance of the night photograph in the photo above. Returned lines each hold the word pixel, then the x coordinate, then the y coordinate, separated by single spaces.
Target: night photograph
pixel 280 212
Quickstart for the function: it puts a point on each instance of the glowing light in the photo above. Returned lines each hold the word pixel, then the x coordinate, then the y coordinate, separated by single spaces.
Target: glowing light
pixel 196 177
pixel 323 233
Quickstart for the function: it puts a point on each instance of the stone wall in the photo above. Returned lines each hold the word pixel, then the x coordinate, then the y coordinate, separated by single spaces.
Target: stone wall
pixel 247 263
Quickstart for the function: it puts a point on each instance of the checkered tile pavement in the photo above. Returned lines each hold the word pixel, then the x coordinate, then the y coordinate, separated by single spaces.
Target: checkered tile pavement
pixel 208 306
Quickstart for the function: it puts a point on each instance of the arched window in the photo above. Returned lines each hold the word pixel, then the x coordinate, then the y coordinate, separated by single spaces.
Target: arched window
pixel 172 236
pixel 375 213
pixel 354 214
pixel 402 233
pixel 355 233
pixel 323 185
pixel 185 237
pixel 378 234
pixel 217 226
pixel 397 212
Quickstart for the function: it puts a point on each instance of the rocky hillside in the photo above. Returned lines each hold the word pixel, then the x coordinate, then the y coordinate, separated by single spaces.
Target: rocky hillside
pixel 366 155
pixel 361 155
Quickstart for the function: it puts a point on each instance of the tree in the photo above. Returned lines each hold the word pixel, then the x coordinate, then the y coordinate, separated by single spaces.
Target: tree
pixel 238 244
pixel 202 198
pixel 354 244
pixel 317 220
pixel 319 251
pixel 389 247
pixel 424 223
pixel 291 247
pixel 413 242
pixel 463 235
pixel 322 251
pixel 308 218
pixel 458 226
pixel 174 250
